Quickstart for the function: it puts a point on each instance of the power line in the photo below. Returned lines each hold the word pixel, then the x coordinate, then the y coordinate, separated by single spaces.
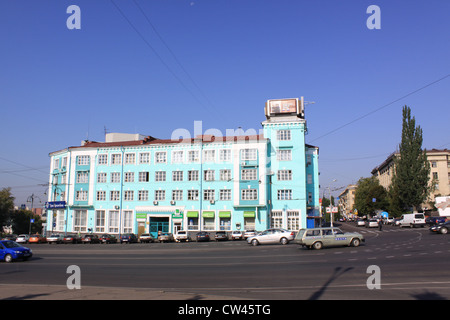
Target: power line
pixel 382 107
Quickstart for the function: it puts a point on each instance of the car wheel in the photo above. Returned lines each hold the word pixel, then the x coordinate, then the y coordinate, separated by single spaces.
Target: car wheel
pixel 355 242
pixel 8 258
pixel 444 230
pixel 255 242
pixel 317 245
pixel 284 241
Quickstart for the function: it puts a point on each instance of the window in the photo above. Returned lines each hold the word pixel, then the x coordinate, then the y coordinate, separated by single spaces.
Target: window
pixel 284 155
pixel 177 195
pixel 435 176
pixel 80 220
pixel 249 154
pixel 433 164
pixel 209 194
pixel 83 160
pixel 284 175
pixel 115 177
pixel 144 176
pixel 101 195
pixel 55 163
pixel 116 158
pixel 127 221
pixel 283 135
pixel 284 194
pixel 100 220
pixel 209 155
pixel 130 158
pixel 101 177
pixel 225 154
pixel 160 176
pixel 64 162
pixel 225 175
pixel 249 194
pixel 113 221
pixel 276 219
pixel 81 196
pixel 225 194
pixel 177 175
pixel 192 194
pixel 160 195
pixel 128 195
pixel 161 157
pixel 193 175
pixel 114 195
pixel 209 175
pixel 193 156
pixel 293 219
pixel 82 177
pixel 143 195
pixel 309 179
pixel 129 177
pixel 248 174
pixel 102 159
pixel 144 158
pixel 177 156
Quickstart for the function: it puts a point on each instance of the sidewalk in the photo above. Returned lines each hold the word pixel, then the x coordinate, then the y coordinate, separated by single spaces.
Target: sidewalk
pixel 53 292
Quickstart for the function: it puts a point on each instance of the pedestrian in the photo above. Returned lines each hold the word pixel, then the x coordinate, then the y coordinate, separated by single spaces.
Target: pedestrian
pixel 380 224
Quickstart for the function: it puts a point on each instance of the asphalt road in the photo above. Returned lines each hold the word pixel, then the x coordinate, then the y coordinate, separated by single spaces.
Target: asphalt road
pixel 413 264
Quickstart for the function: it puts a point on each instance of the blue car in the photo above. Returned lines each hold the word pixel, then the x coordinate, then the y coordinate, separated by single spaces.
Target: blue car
pixel 10 250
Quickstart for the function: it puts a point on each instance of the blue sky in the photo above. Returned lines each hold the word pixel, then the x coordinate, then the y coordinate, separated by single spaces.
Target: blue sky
pixel 218 63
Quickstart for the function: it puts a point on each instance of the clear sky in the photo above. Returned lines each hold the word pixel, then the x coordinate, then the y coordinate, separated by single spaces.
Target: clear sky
pixel 218 61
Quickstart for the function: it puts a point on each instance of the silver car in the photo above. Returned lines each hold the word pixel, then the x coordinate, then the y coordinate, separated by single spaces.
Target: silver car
pixel 317 238
pixel 271 236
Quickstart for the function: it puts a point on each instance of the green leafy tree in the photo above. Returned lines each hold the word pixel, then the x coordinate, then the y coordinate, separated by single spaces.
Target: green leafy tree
pixel 410 184
pixel 21 222
pixel 6 207
pixel 368 190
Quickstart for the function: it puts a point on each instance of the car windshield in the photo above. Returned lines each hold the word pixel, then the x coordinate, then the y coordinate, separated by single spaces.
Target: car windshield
pixel 11 244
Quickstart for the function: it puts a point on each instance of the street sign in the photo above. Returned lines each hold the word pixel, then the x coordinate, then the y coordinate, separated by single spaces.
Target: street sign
pixel 31 220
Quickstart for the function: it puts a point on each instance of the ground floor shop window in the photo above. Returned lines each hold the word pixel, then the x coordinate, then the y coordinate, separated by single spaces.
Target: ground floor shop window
pixel 249 223
pixel 113 221
pixel 80 220
pixel 293 220
pixel 193 223
pixel 127 221
pixel 276 219
pixel 100 220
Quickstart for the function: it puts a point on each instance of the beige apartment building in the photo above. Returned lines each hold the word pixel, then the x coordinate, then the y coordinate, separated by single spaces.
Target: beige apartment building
pixel 439 175
pixel 347 200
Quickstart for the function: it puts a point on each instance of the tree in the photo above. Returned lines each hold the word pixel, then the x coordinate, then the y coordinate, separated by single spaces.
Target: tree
pixel 6 207
pixel 370 196
pixel 410 187
pixel 21 222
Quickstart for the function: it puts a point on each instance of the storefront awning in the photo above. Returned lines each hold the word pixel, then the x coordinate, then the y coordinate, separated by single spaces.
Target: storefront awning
pixel 208 214
pixel 192 214
pixel 249 214
pixel 225 214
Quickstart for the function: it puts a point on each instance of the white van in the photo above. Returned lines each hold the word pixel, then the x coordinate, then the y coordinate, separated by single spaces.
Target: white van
pixel 412 220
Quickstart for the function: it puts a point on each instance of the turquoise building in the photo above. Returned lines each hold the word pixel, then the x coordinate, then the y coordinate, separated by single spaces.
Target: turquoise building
pixel 139 184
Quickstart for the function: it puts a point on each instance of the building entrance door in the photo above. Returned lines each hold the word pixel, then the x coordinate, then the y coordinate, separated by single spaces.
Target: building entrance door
pixel 158 224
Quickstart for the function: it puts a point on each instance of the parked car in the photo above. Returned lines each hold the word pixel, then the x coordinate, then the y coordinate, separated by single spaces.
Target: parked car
pixel 146 238
pixel 249 233
pixel 37 238
pixel 10 251
pixel 271 236
pixel 128 238
pixel 396 221
pixel 55 238
pixel 388 220
pixel 442 228
pixel 71 238
pixel 431 221
pixel 360 223
pixel 165 237
pixel 202 236
pixel 108 238
pixel 182 235
pixel 319 238
pixel 236 235
pixel 371 223
pixel 90 238
pixel 23 238
pixel 220 235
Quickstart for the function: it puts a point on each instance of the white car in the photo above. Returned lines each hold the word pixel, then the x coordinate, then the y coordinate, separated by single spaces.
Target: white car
pixel 236 235
pixel 372 223
pixel 272 236
pixel 249 233
pixel 23 238
pixel 360 223
pixel 55 238
pixel 182 235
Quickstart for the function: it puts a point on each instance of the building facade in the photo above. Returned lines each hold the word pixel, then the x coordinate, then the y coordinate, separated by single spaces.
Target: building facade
pixel 139 184
pixel 347 200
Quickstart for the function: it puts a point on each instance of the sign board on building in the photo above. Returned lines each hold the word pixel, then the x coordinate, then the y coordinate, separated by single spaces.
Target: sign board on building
pixel 283 107
pixel 55 205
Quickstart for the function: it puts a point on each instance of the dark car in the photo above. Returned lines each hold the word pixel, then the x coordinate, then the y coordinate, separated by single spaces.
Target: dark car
pixel 72 238
pixel 220 235
pixel 431 221
pixel 202 236
pixel 10 250
pixel 128 238
pixel 91 238
pixel 11 237
pixel 108 238
pixel 442 228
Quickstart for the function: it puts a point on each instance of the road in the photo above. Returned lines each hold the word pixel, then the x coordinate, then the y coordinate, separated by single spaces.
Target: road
pixel 413 264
